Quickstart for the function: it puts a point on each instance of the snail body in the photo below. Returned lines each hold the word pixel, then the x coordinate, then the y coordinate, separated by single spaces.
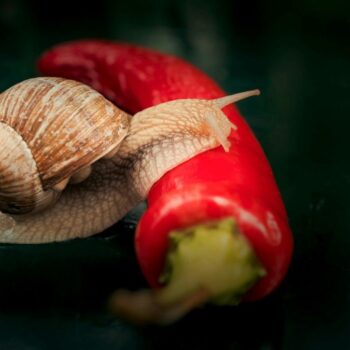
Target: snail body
pixel 158 139
pixel 52 130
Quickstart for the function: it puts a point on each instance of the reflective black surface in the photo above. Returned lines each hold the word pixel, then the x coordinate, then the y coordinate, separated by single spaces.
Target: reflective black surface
pixel 53 296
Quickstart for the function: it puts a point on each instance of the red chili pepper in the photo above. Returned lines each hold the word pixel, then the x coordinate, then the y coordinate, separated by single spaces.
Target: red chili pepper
pixel 213 185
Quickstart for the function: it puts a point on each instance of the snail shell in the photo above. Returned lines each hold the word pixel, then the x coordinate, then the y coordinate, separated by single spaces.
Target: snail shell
pixel 51 130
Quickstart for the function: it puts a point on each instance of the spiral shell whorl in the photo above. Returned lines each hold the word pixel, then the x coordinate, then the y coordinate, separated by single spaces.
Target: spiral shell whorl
pixel 51 128
pixel 20 186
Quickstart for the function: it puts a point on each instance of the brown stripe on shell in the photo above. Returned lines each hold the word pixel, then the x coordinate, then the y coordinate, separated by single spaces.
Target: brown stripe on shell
pixel 20 186
pixel 66 124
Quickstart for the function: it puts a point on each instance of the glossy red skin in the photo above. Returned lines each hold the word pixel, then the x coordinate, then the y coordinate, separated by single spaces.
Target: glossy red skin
pixel 212 185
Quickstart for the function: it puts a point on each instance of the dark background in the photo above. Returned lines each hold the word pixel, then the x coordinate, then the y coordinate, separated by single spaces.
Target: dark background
pixel 53 296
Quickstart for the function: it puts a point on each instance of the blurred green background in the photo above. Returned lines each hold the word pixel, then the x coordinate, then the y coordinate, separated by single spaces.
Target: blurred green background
pixel 298 53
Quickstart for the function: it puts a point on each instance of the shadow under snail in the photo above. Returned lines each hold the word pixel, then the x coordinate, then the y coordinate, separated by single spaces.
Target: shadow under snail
pixel 72 163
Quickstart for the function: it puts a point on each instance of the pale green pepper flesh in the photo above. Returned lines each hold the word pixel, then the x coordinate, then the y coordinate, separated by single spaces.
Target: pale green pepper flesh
pixel 214 257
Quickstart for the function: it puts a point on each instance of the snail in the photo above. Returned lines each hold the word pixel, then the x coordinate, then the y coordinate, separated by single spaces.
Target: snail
pixel 54 131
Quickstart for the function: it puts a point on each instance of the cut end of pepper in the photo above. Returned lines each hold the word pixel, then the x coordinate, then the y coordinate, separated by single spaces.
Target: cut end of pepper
pixel 209 262
pixel 212 256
